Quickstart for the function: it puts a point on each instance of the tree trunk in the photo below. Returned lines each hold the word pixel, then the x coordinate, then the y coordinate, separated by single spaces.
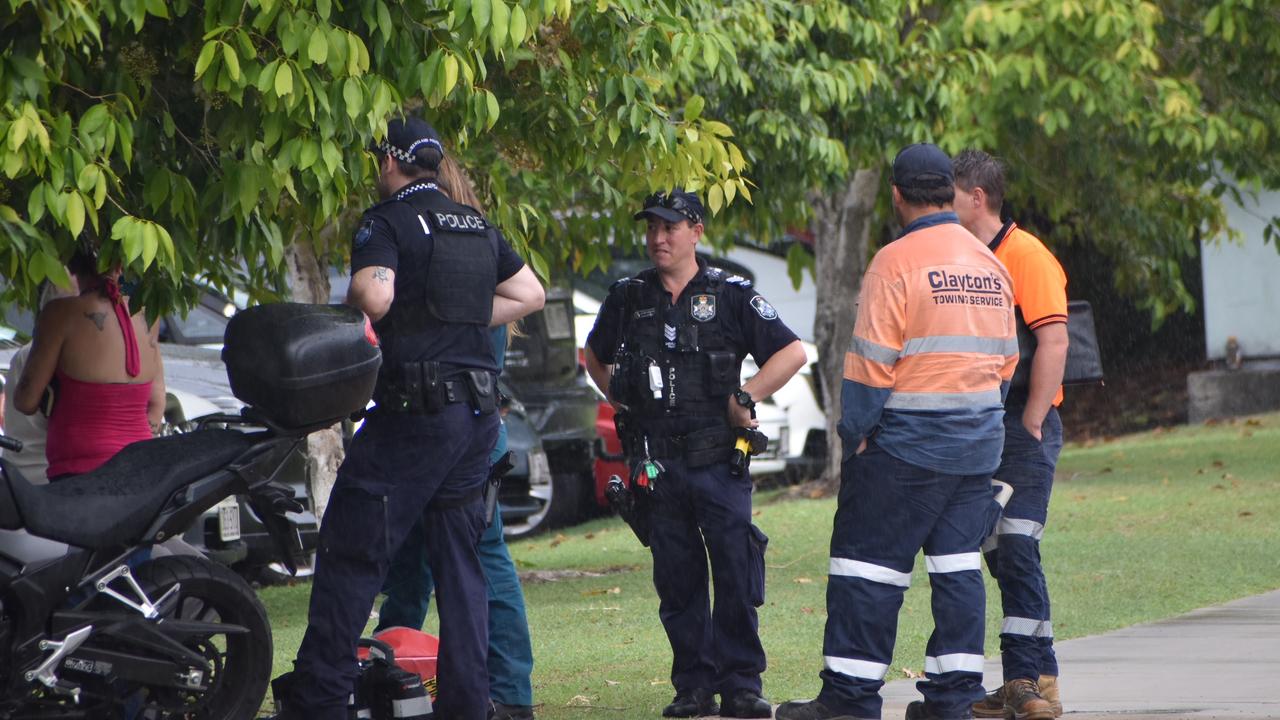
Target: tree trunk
pixel 310 283
pixel 842 228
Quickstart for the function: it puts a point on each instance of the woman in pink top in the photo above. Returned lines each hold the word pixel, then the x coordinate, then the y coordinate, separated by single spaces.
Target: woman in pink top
pixel 108 387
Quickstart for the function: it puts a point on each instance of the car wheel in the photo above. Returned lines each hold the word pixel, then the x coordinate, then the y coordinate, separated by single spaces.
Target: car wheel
pixel 558 503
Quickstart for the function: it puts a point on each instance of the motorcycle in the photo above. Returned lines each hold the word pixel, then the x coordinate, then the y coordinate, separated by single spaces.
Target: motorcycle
pixel 95 622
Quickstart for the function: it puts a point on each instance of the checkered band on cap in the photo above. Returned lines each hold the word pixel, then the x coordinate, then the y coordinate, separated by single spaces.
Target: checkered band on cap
pixel 395 152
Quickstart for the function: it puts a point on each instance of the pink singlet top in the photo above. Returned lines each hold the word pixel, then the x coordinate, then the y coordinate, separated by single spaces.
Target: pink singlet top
pixel 91 421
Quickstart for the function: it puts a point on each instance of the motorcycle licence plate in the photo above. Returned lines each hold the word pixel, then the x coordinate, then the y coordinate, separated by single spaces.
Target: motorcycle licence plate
pixel 228 520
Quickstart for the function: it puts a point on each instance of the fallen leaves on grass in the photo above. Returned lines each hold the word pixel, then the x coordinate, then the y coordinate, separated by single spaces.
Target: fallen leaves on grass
pixel 589 536
pixel 1253 422
pixel 579 701
pixel 1246 513
pixel 559 538
pixel 611 683
pixel 803 580
pixel 910 673
pixel 806 610
pixel 602 591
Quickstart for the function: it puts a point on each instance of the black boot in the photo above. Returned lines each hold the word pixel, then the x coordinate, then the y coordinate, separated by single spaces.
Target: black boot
pixel 810 710
pixel 745 704
pixel 698 702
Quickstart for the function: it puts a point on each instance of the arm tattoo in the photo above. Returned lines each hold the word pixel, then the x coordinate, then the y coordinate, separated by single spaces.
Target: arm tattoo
pixel 380 274
pixel 98 318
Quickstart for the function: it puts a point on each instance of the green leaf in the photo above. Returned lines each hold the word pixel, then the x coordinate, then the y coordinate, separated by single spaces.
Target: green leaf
pixel 233 62
pixel 499 22
pixel 318 48
pixel 332 156
pixel 715 199
pixel 710 54
pixel 156 191
pixel 539 265
pixel 88 177
pixel 519 25
pixel 206 57
pixel 284 80
pixel 36 203
pixel 150 243
pixel 492 108
pixel 93 120
pixel 131 239
pixel 352 97
pixel 693 107
pixel 481 10
pixel 450 65
pixel 308 154
pixel 166 243
pixel 75 213
pixel 157 8
pixel 18 132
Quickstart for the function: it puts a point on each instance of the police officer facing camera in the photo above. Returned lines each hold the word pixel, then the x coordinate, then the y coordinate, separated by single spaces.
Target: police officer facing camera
pixel 666 350
pixel 433 276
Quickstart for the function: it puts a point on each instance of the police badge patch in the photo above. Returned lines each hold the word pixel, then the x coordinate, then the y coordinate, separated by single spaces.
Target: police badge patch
pixel 363 234
pixel 703 307
pixel 763 308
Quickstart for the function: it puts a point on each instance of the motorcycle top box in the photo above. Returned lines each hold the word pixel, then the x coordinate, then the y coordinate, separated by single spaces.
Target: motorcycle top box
pixel 302 365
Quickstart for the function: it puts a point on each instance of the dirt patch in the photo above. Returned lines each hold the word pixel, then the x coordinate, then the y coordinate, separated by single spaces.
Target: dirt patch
pixel 534 577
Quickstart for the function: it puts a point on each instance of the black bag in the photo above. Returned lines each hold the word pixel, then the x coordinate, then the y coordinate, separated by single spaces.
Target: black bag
pixel 1084 357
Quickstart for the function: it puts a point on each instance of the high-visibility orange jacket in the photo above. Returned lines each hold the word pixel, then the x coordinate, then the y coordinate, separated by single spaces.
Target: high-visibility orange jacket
pixel 933 349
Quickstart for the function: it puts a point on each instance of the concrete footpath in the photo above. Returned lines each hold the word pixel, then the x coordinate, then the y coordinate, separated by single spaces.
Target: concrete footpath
pixel 1216 662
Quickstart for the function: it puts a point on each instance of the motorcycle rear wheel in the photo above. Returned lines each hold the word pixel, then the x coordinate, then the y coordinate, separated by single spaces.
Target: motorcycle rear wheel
pixel 240 665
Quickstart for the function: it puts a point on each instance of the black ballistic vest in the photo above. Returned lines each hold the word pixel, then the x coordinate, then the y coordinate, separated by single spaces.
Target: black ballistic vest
pixel 697 375
pixel 462 271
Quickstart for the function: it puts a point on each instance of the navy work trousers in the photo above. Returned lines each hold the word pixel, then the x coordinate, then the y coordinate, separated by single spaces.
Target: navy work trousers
pixel 397 464
pixel 888 510
pixel 696 513
pixel 1026 634
pixel 408 596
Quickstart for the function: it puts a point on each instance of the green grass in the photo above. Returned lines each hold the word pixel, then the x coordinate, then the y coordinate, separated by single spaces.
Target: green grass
pixel 1141 528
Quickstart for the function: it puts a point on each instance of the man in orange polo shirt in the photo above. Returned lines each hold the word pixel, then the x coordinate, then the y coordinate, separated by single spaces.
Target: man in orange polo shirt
pixel 1033 438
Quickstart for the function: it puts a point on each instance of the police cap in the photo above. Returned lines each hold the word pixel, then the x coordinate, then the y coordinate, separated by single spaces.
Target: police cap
pixel 412 140
pixel 673 206
pixel 922 166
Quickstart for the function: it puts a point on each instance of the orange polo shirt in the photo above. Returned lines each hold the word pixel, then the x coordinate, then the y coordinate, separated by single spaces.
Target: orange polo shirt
pixel 1039 283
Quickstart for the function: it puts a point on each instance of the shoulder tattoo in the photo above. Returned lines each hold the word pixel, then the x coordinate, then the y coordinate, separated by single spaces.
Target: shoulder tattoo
pixel 381 274
pixel 98 318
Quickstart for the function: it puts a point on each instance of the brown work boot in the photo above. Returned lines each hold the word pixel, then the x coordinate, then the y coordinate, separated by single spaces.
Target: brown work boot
pixel 991 706
pixel 1022 701
pixel 1049 691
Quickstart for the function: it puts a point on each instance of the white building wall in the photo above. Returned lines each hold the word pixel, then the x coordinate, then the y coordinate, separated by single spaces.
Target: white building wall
pixel 1242 283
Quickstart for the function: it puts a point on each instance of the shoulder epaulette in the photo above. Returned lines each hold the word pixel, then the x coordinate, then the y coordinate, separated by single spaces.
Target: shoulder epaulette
pixel 738 280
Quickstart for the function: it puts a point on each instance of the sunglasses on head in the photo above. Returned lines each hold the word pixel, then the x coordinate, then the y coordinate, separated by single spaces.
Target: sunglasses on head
pixel 674 202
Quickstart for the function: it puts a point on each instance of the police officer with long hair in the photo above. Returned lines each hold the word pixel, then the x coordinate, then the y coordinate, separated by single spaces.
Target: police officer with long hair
pixel 667 349
pixel 433 276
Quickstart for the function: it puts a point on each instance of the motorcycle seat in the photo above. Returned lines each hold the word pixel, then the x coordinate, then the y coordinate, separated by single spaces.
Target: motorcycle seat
pixel 116 503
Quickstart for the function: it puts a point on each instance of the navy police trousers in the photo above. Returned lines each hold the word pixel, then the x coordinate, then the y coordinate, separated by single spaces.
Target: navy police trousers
pixel 397 465
pixel 1013 553
pixel 888 510
pixel 699 513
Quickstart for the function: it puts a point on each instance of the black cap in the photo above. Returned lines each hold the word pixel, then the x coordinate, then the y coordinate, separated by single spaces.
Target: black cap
pixel 922 166
pixel 408 138
pixel 673 206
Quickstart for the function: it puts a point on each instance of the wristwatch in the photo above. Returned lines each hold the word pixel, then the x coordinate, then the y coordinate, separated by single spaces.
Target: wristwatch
pixel 744 399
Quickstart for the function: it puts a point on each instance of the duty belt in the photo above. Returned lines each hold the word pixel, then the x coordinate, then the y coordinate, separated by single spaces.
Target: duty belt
pixel 697 449
pixel 420 389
